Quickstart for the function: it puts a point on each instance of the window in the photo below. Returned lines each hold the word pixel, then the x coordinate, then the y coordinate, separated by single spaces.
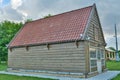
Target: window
pixel 92 53
pixel 102 53
pixel 110 54
pixel 93 57
pixel 98 54
pixel 93 63
pixel 103 62
pixel 96 34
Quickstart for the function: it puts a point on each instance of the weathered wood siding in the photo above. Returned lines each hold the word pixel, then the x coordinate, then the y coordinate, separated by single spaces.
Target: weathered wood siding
pixel 64 57
pixel 96 38
pixel 94 31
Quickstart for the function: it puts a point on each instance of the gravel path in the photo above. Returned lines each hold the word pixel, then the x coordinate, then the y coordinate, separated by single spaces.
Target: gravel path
pixel 103 76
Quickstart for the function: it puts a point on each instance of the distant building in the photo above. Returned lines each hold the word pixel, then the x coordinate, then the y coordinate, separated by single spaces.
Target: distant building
pixel 110 54
pixel 70 43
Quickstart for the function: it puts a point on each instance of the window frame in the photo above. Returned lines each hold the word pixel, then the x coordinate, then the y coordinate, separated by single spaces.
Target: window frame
pixel 93 58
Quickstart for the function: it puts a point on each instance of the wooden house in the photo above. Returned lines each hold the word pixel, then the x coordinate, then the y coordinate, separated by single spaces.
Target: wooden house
pixel 71 43
pixel 110 54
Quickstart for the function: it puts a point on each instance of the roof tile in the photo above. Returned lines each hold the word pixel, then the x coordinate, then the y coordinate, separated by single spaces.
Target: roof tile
pixel 58 28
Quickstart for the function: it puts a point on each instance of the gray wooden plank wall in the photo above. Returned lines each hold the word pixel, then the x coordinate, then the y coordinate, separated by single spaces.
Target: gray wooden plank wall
pixel 94 23
pixel 64 57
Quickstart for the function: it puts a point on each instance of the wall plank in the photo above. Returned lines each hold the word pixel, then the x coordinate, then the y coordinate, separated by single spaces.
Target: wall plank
pixel 60 57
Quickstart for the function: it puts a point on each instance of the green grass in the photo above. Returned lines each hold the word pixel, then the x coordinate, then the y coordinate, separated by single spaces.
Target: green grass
pixel 117 77
pixel 113 65
pixel 3 67
pixel 12 77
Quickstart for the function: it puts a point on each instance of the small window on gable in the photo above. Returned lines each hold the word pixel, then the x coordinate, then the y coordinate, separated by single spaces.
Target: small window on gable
pixel 95 32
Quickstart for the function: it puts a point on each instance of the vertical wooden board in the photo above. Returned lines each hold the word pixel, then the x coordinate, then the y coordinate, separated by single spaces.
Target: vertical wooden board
pixel 87 58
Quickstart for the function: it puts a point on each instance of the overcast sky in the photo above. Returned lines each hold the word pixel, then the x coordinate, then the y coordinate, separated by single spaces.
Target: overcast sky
pixel 20 10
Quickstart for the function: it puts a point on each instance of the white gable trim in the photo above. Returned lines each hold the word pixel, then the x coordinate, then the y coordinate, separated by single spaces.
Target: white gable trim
pixel 100 26
pixel 88 22
pixel 94 10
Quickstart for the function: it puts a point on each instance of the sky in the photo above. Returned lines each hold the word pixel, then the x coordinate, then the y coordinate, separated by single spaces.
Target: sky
pixel 20 10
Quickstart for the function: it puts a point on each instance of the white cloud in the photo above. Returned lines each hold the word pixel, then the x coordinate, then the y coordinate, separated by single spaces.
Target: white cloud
pixel 16 3
pixel 1 1
pixel 19 10
pixel 8 13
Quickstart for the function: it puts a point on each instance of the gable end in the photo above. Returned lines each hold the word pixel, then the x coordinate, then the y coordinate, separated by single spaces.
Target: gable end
pixel 93 31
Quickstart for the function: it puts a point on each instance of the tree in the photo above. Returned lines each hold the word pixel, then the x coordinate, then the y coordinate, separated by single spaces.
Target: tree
pixel 112 48
pixel 119 52
pixel 28 20
pixel 49 15
pixel 7 32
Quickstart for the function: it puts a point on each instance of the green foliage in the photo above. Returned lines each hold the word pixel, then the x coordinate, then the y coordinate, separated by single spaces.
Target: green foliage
pixel 7 32
pixel 112 48
pixel 49 15
pixel 13 77
pixel 28 20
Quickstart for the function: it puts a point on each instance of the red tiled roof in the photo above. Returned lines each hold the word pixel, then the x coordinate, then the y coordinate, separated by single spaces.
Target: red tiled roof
pixel 63 27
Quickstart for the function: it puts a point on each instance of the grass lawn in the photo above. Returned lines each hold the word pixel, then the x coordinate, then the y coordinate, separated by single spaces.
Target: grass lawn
pixel 3 67
pixel 113 65
pixel 12 77
pixel 117 77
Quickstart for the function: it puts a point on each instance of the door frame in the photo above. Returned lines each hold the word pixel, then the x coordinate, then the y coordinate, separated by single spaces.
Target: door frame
pixel 98 61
